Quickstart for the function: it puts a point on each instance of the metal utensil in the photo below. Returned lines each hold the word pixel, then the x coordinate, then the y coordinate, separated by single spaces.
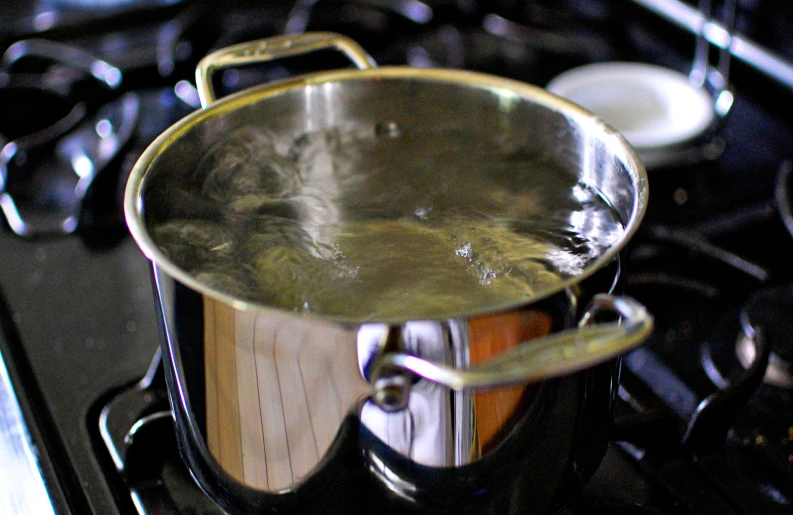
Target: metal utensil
pixel 702 75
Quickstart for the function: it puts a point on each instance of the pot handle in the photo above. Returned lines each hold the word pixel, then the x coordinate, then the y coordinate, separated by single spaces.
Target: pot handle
pixel 269 49
pixel 545 357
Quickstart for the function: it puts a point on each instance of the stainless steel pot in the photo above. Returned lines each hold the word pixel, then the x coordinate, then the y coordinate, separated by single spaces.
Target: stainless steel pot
pixel 504 410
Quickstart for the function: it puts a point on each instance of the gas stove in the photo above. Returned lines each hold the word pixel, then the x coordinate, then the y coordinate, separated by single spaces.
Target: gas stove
pixel 705 412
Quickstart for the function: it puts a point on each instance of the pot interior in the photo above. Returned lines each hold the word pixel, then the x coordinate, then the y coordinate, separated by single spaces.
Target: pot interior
pixel 343 194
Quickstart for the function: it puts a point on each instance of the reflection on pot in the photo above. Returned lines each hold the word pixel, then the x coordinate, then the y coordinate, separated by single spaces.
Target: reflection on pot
pixel 276 394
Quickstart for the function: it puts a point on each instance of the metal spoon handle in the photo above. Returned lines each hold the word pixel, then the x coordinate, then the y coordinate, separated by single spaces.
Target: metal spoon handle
pixel 720 34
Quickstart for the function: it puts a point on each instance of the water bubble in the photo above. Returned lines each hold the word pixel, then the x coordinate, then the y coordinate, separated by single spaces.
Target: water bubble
pixel 465 251
pixel 423 213
pixel 486 275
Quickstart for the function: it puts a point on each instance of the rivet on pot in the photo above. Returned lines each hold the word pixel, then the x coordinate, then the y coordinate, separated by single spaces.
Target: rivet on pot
pixel 390 129
pixel 392 393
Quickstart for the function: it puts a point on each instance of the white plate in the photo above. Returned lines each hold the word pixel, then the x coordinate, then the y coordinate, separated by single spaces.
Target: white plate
pixel 652 106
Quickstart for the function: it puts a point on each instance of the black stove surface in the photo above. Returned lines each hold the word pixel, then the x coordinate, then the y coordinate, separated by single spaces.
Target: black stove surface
pixel 77 312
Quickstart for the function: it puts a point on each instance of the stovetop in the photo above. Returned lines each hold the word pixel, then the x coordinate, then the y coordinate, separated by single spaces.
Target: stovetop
pixel 712 261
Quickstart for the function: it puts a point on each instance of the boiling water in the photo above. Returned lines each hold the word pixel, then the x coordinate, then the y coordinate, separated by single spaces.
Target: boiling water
pixel 384 223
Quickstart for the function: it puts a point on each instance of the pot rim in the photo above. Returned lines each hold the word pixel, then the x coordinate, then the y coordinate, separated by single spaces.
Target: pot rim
pixel 616 143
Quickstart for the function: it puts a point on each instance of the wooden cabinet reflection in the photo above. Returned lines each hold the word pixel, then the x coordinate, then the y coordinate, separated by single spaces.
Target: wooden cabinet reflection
pixel 491 336
pixel 275 397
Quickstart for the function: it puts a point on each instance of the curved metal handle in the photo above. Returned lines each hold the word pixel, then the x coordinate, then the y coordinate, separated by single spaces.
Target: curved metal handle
pixel 269 49
pixel 541 358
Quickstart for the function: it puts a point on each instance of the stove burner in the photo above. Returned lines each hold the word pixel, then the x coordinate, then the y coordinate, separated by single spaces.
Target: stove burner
pixel 763 320
pixel 45 174
pixel 769 310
